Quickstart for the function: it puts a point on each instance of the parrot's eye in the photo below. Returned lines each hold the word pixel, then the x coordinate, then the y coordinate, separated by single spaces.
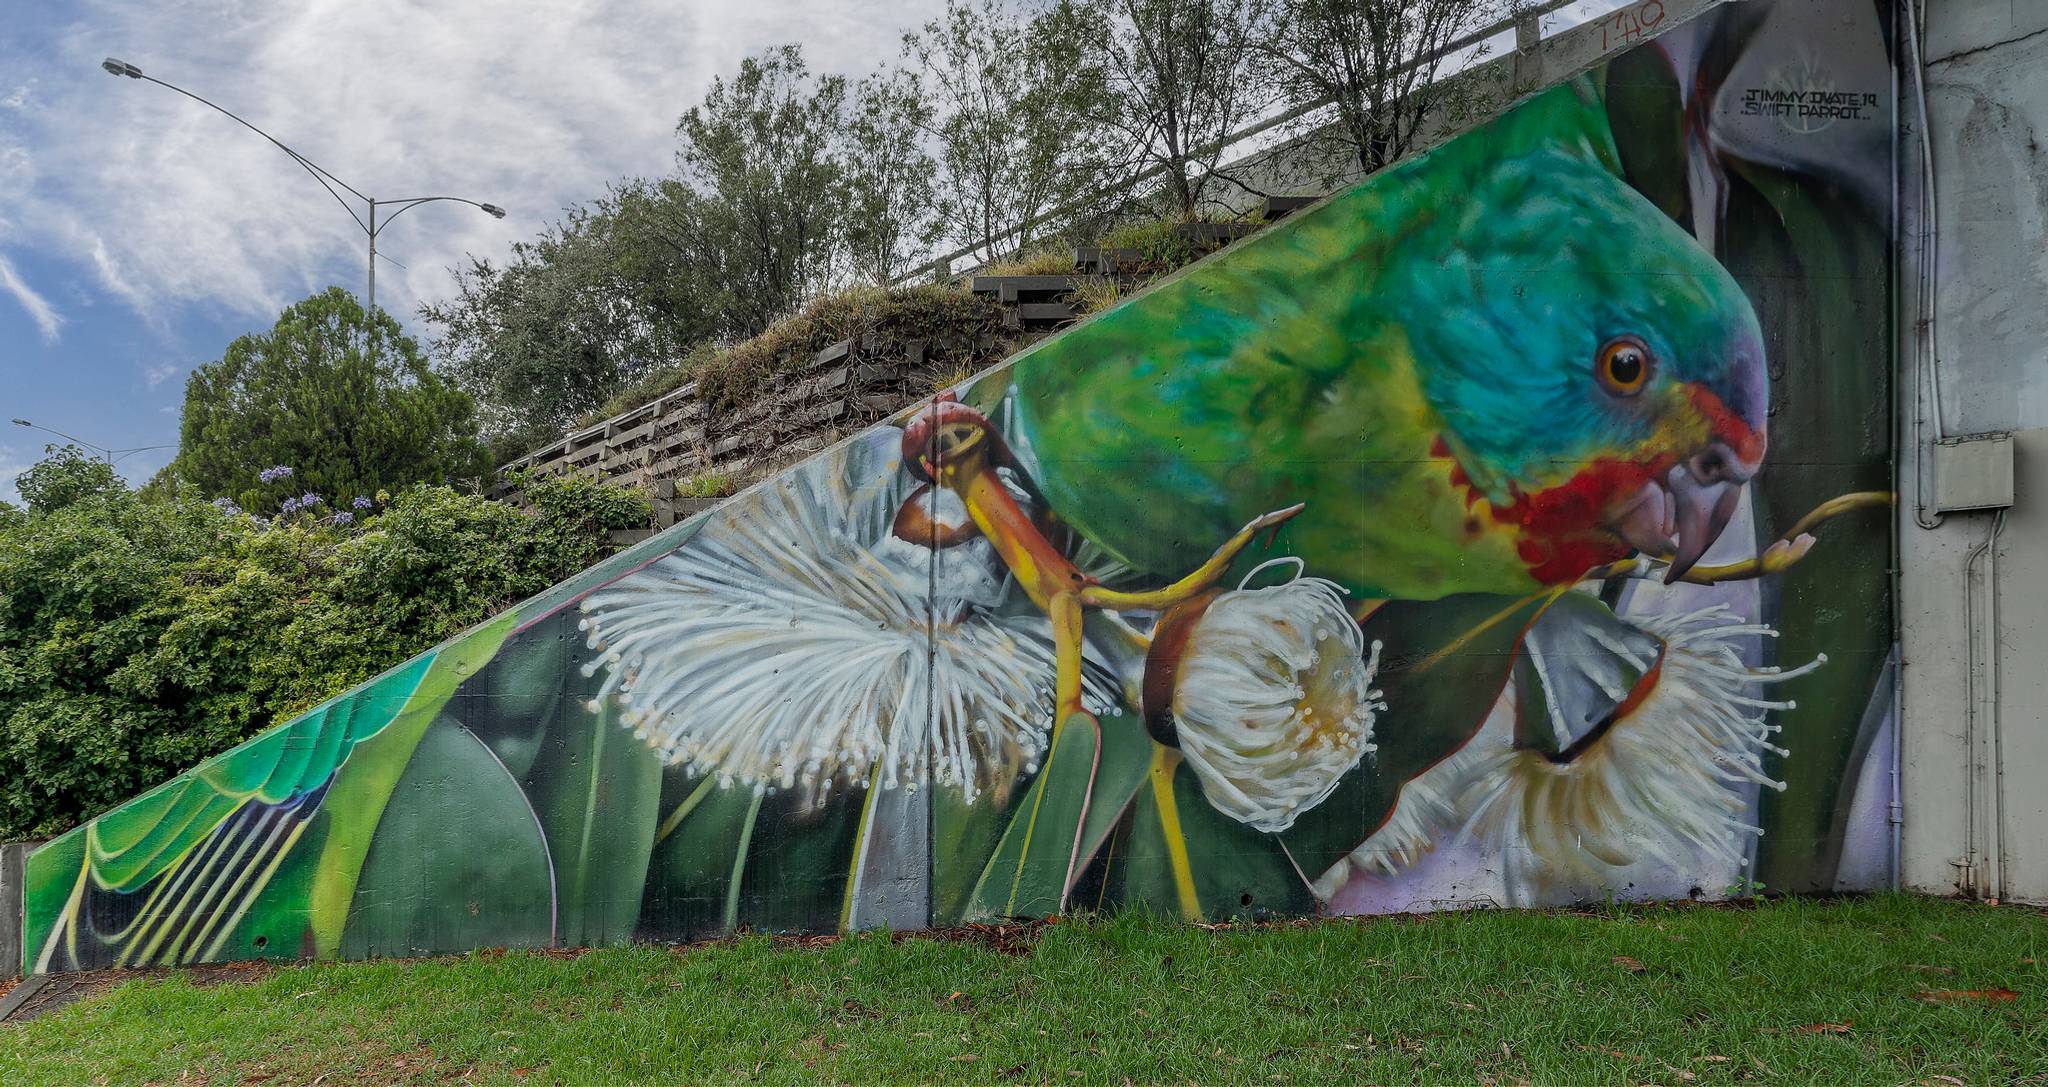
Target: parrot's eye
pixel 1623 366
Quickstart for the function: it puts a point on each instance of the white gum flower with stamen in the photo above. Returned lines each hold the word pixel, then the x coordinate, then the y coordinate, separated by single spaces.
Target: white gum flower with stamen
pixel 1669 780
pixel 788 646
pixel 1273 701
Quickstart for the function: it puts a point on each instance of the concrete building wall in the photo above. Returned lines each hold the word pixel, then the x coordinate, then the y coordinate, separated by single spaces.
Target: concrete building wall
pixel 1975 638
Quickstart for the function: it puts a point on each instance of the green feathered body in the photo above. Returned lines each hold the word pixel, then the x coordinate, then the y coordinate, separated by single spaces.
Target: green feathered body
pixel 1410 359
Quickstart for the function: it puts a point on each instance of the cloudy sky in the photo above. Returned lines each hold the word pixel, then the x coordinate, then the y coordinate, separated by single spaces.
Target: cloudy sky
pixel 140 232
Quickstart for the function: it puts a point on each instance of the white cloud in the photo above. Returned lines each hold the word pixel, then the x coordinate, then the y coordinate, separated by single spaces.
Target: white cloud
pixel 532 106
pixel 160 373
pixel 12 465
pixel 48 320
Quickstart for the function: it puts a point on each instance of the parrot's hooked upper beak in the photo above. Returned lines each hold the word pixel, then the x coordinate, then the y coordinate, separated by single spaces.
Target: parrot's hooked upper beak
pixel 1678 514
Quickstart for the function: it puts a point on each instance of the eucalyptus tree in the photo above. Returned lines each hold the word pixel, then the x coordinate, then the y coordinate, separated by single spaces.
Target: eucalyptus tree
pixel 1379 64
pixel 1012 101
pixel 611 292
pixel 891 200
pixel 1177 77
pixel 762 151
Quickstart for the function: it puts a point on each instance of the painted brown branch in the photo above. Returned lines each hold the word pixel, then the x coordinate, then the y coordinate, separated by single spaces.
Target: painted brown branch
pixel 1780 556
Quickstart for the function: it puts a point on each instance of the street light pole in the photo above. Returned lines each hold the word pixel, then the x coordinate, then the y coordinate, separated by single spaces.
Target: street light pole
pixel 327 180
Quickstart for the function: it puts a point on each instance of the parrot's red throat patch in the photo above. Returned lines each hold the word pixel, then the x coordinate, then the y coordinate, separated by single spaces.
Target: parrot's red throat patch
pixel 1562 532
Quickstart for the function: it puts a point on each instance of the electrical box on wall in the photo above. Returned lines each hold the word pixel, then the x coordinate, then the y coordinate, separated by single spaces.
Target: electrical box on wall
pixel 1973 472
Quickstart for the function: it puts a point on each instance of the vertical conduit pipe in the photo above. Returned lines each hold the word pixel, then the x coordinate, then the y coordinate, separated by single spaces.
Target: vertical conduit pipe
pixel 1895 821
pixel 1999 858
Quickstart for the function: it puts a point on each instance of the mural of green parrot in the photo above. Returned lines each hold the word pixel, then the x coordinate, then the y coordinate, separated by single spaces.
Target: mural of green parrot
pixel 1022 649
pixel 1490 369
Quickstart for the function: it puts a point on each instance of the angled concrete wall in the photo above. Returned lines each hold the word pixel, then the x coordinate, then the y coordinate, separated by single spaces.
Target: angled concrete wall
pixel 1507 529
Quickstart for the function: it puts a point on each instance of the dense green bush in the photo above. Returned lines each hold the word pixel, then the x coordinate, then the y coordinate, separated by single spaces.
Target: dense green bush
pixel 138 636
pixel 341 396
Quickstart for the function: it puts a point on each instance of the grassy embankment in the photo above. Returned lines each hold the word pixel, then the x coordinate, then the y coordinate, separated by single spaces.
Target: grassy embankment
pixel 1884 990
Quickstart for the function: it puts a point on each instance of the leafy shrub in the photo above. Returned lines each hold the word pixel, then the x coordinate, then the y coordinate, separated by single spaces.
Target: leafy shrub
pixel 138 637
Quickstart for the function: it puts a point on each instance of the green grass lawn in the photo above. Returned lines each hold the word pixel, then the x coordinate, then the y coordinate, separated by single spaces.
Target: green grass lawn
pixel 1884 990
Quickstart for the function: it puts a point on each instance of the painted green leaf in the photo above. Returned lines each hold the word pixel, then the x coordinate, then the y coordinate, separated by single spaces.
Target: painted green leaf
pixel 48 879
pixel 148 839
pixel 356 800
pixel 965 835
pixel 1062 819
pixel 1177 856
pixel 691 879
pixel 133 843
pixel 598 792
pixel 458 859
pixel 1818 271
pixel 796 878
pixel 518 693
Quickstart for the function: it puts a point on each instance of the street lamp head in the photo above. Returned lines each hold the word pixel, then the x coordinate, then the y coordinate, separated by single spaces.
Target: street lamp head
pixel 23 422
pixel 495 211
pixel 121 67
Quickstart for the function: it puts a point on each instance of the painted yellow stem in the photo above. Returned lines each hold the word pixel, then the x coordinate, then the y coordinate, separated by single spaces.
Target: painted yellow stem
pixel 1165 761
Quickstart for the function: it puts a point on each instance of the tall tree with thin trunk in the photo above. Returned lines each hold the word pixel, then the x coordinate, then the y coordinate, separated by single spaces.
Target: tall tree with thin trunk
pixel 762 149
pixel 1177 77
pixel 1377 62
pixel 618 288
pixel 1009 119
pixel 891 203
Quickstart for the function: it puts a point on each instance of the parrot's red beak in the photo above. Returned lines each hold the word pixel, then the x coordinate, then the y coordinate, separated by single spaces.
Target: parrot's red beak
pixel 1679 514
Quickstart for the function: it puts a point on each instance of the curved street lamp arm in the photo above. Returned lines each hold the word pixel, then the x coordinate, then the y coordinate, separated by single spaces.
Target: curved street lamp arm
pixel 115 455
pixel 102 450
pixel 412 202
pixel 319 172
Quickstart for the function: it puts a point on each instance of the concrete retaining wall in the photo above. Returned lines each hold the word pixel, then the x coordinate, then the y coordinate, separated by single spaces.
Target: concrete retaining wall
pixel 12 857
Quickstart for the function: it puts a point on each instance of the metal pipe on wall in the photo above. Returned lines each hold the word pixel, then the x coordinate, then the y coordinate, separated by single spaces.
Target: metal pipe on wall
pixel 2000 858
pixel 1995 820
pixel 1895 813
pixel 1926 344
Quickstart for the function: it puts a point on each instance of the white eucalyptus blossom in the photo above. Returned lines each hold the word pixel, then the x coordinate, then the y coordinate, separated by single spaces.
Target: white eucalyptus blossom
pixel 1668 781
pixel 1273 700
pixel 796 644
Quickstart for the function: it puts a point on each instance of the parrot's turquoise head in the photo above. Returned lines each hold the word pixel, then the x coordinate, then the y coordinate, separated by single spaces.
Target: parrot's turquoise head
pixel 1598 377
